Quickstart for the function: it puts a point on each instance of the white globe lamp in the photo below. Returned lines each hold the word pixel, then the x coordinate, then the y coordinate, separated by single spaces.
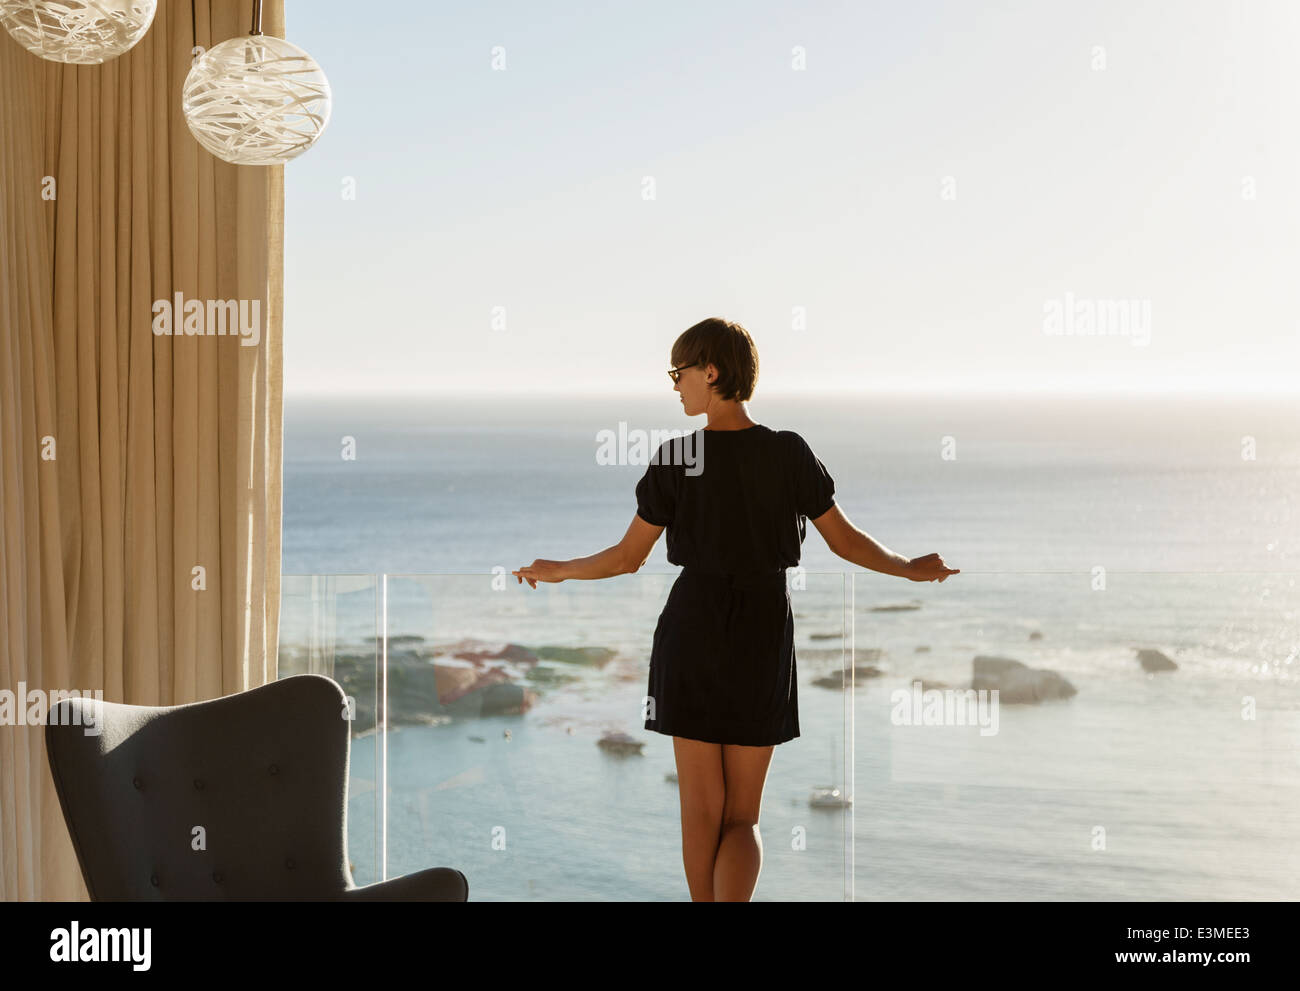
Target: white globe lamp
pixel 258 100
pixel 82 32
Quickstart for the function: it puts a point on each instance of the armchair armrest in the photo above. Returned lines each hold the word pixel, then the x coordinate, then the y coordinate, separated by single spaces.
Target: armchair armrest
pixel 437 884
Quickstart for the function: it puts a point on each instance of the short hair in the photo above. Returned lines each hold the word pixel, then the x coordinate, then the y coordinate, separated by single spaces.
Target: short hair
pixel 727 345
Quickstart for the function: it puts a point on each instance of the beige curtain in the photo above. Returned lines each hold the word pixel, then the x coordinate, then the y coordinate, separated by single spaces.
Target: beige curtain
pixel 128 459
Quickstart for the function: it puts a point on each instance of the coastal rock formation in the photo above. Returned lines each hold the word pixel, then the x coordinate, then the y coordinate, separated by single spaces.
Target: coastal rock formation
pixel 428 684
pixel 550 674
pixel 1153 660
pixel 839 679
pixel 480 650
pixel 1018 683
pixel 596 657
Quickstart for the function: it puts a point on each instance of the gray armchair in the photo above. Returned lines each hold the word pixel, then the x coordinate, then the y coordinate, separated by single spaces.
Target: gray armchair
pixel 263 772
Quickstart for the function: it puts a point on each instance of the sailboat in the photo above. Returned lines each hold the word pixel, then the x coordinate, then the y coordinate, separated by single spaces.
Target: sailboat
pixel 829 796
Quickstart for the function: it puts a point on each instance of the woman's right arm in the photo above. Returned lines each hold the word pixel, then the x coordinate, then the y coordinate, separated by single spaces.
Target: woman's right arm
pixel 847 541
pixel 622 558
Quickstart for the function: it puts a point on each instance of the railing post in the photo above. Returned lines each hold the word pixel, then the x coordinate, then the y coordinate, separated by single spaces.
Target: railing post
pixel 381 750
pixel 850 714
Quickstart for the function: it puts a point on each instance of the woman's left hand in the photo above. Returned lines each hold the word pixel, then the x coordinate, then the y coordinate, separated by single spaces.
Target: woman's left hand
pixel 540 570
pixel 929 568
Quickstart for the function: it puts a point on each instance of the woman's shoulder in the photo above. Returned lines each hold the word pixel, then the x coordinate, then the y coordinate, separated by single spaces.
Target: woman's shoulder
pixel 790 439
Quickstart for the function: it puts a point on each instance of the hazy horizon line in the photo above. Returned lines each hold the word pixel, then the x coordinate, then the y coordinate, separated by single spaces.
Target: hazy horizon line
pixel 1062 392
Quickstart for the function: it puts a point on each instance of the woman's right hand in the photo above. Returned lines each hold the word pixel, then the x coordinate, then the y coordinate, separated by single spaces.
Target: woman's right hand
pixel 541 570
pixel 928 568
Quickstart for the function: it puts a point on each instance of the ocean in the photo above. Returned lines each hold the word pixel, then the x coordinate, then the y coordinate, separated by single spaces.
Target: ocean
pixel 1085 528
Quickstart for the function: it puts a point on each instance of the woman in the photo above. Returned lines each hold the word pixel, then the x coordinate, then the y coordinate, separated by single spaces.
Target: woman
pixel 734 497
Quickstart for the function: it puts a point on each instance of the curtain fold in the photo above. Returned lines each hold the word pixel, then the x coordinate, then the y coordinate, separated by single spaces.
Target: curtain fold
pixel 129 459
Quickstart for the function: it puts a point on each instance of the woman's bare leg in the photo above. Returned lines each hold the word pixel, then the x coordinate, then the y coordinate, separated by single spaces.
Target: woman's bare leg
pixel 740 849
pixel 700 787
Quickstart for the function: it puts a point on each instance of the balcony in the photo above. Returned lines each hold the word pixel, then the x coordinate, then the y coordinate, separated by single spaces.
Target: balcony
pixel 1115 778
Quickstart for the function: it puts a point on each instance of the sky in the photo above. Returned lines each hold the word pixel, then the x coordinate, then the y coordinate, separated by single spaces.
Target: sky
pixel 890 197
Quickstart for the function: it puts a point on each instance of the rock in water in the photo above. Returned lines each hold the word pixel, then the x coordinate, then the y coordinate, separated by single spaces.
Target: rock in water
pixel 506 700
pixel 591 656
pixel 1153 660
pixel 840 680
pixel 471 649
pixel 1017 683
pixel 547 674
pixel 620 743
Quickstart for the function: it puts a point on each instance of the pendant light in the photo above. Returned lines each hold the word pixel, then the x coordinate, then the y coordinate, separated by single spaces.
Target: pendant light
pixel 82 32
pixel 257 100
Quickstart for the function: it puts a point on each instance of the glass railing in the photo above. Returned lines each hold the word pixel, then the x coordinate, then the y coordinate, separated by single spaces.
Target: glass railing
pixel 331 625
pixel 1145 751
pixel 1099 773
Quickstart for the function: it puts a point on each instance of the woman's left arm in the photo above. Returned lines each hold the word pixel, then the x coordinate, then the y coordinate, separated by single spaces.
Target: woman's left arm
pixel 847 541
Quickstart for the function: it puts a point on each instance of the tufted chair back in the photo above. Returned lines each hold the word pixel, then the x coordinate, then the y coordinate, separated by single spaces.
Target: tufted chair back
pixel 260 777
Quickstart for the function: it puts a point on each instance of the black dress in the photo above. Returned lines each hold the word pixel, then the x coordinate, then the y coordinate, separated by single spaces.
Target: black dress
pixel 736 505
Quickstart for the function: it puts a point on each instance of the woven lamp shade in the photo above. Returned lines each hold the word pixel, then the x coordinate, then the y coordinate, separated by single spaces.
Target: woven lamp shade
pixel 257 100
pixel 83 32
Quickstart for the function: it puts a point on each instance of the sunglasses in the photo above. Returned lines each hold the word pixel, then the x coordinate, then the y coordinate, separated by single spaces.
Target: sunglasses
pixel 676 373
